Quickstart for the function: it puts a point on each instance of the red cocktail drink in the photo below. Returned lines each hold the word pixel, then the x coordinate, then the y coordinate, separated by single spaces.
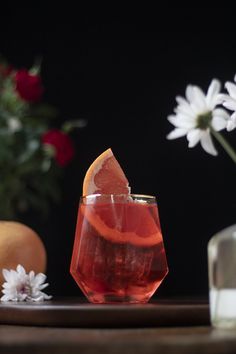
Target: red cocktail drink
pixel 118 253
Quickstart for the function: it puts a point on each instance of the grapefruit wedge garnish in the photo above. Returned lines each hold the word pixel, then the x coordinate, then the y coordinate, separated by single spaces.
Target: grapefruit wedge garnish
pixel 126 221
pixel 105 176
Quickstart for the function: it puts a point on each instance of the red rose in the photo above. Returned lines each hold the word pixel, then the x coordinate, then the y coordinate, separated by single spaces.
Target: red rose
pixel 62 144
pixel 28 86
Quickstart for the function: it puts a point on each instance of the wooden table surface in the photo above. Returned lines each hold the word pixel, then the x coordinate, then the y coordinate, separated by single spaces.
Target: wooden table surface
pixel 161 327
pixel 166 340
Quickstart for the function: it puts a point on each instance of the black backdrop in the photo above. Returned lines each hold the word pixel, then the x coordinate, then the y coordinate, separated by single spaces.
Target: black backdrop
pixel 123 78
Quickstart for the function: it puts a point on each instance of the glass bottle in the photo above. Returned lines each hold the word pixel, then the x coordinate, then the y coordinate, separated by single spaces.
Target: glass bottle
pixel 222 278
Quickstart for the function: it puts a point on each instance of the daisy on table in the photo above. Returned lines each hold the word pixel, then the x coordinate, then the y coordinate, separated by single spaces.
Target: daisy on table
pixel 21 286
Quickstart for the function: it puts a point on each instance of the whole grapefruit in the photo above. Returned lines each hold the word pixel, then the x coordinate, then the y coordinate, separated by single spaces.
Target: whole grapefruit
pixel 19 244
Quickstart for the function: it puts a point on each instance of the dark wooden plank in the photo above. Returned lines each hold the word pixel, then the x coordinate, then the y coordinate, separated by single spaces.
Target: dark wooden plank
pixel 49 340
pixel 78 313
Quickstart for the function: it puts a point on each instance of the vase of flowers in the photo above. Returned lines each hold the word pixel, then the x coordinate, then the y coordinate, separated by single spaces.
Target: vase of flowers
pixel 33 152
pixel 199 117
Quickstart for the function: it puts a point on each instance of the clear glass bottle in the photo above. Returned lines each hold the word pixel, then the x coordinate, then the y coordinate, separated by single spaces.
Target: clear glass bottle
pixel 222 278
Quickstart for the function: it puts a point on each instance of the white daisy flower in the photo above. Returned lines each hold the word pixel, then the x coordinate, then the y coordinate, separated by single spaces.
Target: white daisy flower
pixel 229 102
pixel 197 114
pixel 20 286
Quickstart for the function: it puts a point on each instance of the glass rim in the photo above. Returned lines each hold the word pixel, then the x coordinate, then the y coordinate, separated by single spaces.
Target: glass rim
pixel 132 195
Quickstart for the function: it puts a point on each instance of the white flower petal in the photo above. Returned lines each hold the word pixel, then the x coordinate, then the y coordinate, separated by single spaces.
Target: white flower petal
pixel 207 144
pixel 13 276
pixel 222 97
pixel 193 137
pixel 39 279
pixel 231 124
pixel 184 106
pixel 43 286
pixel 218 123
pixel 31 275
pixel 183 110
pixel 6 274
pixel 5 298
pixel 229 103
pixel 199 100
pixel 22 297
pixel 6 285
pixel 20 269
pixel 182 121
pixel 221 112
pixel 176 133
pixel 46 297
pixel 39 297
pixel 189 93
pixel 219 119
pixel 172 119
pixel 213 93
pixel 36 299
pixel 231 88
pixel 181 100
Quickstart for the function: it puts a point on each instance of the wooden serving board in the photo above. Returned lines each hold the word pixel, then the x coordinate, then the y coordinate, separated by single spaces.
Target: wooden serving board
pixel 76 312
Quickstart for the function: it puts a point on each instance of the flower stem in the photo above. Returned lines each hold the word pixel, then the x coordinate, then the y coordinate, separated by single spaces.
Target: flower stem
pixel 224 143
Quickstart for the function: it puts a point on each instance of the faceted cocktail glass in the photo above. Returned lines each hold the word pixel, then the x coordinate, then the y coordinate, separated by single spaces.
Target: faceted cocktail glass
pixel 118 253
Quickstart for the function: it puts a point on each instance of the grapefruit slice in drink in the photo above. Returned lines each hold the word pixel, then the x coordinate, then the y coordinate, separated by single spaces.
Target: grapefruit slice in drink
pixel 105 176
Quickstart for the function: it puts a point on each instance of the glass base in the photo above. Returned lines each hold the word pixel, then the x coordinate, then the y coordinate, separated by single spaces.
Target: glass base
pixel 224 323
pixel 223 308
pixel 116 299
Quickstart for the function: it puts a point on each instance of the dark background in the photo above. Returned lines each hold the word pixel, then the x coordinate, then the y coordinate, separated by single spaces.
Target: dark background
pixel 122 76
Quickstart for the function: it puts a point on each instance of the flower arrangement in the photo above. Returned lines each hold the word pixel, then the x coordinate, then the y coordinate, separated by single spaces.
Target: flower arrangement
pixel 200 116
pixel 33 153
